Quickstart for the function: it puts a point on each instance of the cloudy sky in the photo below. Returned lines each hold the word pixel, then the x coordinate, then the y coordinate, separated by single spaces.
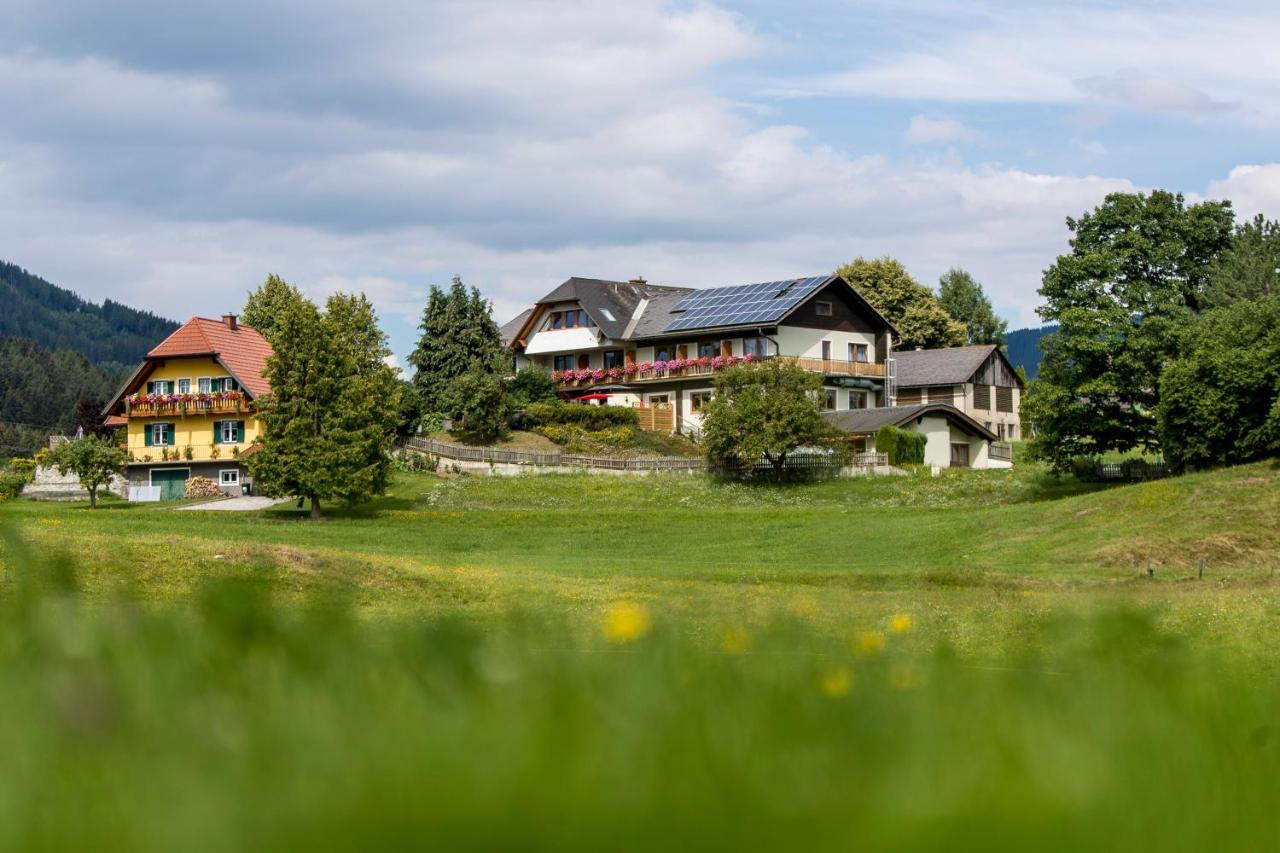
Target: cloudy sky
pixel 170 154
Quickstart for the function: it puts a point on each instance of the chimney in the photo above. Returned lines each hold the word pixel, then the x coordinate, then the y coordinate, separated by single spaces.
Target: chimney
pixel 229 320
pixel 638 281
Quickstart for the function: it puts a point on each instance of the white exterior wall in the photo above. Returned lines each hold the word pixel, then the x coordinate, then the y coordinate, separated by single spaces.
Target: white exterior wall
pixel 807 343
pixel 937 431
pixel 978 457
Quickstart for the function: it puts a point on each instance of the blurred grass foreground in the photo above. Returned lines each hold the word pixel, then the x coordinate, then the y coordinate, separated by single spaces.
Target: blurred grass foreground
pixel 236 721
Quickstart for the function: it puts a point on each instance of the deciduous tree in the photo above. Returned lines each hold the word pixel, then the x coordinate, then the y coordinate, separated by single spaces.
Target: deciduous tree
pixel 911 307
pixel 1124 298
pixel 334 404
pixel 95 460
pixel 964 299
pixel 1250 268
pixel 265 307
pixel 1220 401
pixel 763 411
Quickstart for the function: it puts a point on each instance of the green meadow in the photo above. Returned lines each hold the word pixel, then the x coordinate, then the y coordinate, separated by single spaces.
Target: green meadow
pixel 985 660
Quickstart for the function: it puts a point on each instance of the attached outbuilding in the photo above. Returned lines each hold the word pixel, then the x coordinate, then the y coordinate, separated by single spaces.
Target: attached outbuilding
pixel 953 439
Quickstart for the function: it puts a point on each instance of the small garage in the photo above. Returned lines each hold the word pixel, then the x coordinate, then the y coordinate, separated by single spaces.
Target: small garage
pixel 952 438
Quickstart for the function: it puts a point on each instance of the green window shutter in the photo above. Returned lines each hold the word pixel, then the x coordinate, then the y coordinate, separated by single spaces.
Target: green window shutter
pixel 146 435
pixel 239 432
pixel 151 387
pixel 217 432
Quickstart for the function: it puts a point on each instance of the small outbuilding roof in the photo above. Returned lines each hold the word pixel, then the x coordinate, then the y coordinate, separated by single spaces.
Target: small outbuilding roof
pixel 949 366
pixel 867 421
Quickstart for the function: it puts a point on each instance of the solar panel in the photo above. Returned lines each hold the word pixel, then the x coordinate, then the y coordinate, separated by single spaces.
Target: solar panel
pixel 742 304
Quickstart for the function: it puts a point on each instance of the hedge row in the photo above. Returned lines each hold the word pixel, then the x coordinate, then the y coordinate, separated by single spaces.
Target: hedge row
pixel 587 417
pixel 904 447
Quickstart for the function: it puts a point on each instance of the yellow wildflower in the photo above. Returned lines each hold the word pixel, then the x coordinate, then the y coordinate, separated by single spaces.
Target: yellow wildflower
pixel 901 623
pixel 869 642
pixel 735 641
pixel 625 621
pixel 836 682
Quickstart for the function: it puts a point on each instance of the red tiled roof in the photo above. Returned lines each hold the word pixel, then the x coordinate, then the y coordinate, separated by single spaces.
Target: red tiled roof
pixel 241 350
pixel 115 420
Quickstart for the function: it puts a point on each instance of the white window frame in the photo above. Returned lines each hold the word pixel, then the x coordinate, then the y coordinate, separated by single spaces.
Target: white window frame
pixel 858 395
pixel 155 383
pixel 222 476
pixel 698 411
pixel 204 385
pixel 167 434
pixel 187 389
pixel 222 429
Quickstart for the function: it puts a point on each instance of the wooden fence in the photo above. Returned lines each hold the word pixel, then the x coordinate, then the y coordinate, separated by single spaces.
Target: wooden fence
pixel 1001 451
pixel 520 457
pixel 657 417
pixel 616 463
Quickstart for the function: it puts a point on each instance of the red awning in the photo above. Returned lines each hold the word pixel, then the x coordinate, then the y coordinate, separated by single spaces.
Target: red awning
pixel 592 397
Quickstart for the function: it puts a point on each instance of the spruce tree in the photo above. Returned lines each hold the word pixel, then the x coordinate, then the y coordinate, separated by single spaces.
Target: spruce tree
pixel 458 335
pixel 964 299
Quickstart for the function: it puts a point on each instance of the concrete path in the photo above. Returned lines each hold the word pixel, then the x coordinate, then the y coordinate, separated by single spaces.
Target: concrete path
pixel 245 503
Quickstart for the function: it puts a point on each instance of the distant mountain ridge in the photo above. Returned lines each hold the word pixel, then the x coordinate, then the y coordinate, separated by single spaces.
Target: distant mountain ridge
pixel 109 334
pixel 1022 347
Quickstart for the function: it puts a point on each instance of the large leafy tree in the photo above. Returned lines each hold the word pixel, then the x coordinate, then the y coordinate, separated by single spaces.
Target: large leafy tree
pixel 1250 269
pixel 95 460
pixel 1124 298
pixel 763 411
pixel 458 335
pixel 1220 401
pixel 266 306
pixel 333 408
pixel 964 299
pixel 906 303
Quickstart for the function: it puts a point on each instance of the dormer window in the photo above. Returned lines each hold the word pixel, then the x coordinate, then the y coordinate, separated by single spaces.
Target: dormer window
pixel 572 319
pixel 822 309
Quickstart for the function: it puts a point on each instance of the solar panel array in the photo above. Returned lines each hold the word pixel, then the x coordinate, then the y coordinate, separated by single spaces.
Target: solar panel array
pixel 743 303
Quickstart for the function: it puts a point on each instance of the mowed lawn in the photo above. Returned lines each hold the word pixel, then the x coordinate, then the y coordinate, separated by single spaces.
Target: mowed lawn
pixel 982 659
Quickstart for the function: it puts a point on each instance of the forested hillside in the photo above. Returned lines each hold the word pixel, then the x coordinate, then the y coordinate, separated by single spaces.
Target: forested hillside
pixel 1022 347
pixel 55 318
pixel 40 390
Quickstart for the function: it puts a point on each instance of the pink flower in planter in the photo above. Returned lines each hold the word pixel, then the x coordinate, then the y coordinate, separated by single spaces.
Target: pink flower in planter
pixel 644 367
pixel 748 358
pixel 630 369
pixel 582 374
pixel 717 362
pixel 615 373
pixel 598 374
pixel 659 366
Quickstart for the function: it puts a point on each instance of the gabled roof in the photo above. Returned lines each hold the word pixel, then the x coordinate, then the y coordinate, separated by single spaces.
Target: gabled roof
pixel 867 421
pixel 610 304
pixel 510 329
pixel 243 351
pixel 949 366
pixel 635 310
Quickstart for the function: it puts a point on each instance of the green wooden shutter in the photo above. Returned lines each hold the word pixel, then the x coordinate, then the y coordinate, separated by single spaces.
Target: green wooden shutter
pixel 146 435
pixel 217 432
pixel 239 432
pixel 151 387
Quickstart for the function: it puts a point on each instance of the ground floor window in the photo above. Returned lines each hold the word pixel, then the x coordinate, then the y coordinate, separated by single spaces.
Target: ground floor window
pixel 698 400
pixel 229 477
pixel 659 399
pixel 959 455
pixel 857 399
pixel 829 399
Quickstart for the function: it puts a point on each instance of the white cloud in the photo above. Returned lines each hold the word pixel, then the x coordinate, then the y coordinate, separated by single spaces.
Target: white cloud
pixel 924 130
pixel 1252 190
pixel 1148 92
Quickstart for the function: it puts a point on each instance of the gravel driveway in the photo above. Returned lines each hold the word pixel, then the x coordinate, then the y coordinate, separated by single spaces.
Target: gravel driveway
pixel 245 503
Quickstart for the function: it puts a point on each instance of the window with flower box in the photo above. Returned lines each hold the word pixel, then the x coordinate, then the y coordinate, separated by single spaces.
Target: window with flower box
pixel 562 363
pixel 158 435
pixel 160 386
pixel 612 358
pixel 228 432
pixel 756 347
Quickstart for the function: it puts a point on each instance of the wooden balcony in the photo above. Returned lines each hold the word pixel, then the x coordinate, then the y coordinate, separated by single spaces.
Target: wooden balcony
pixel 837 367
pixel 191 405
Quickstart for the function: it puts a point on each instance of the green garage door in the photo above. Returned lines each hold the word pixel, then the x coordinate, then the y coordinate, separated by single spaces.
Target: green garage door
pixel 172 483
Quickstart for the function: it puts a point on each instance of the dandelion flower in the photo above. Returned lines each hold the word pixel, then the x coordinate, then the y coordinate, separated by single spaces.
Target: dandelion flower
pixel 901 623
pixel 735 641
pixel 836 682
pixel 869 642
pixel 625 622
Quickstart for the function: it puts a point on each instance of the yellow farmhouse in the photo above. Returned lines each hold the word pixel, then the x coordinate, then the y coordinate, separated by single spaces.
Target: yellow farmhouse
pixel 189 407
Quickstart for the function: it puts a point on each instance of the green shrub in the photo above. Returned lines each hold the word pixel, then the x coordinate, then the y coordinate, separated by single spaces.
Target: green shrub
pixel 25 468
pixel 11 484
pixel 479 407
pixel 532 385
pixel 903 447
pixel 588 417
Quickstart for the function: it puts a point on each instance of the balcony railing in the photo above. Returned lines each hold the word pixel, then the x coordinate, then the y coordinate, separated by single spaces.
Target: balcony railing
pixel 688 368
pixel 154 405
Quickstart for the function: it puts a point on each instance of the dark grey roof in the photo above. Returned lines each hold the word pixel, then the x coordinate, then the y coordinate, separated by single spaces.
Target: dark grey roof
pixel 950 366
pixel 867 421
pixel 511 328
pixel 610 303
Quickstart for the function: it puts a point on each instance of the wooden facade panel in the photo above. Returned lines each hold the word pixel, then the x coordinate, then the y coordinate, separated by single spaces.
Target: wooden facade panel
pixel 1004 399
pixel 982 397
pixel 847 315
pixel 996 371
